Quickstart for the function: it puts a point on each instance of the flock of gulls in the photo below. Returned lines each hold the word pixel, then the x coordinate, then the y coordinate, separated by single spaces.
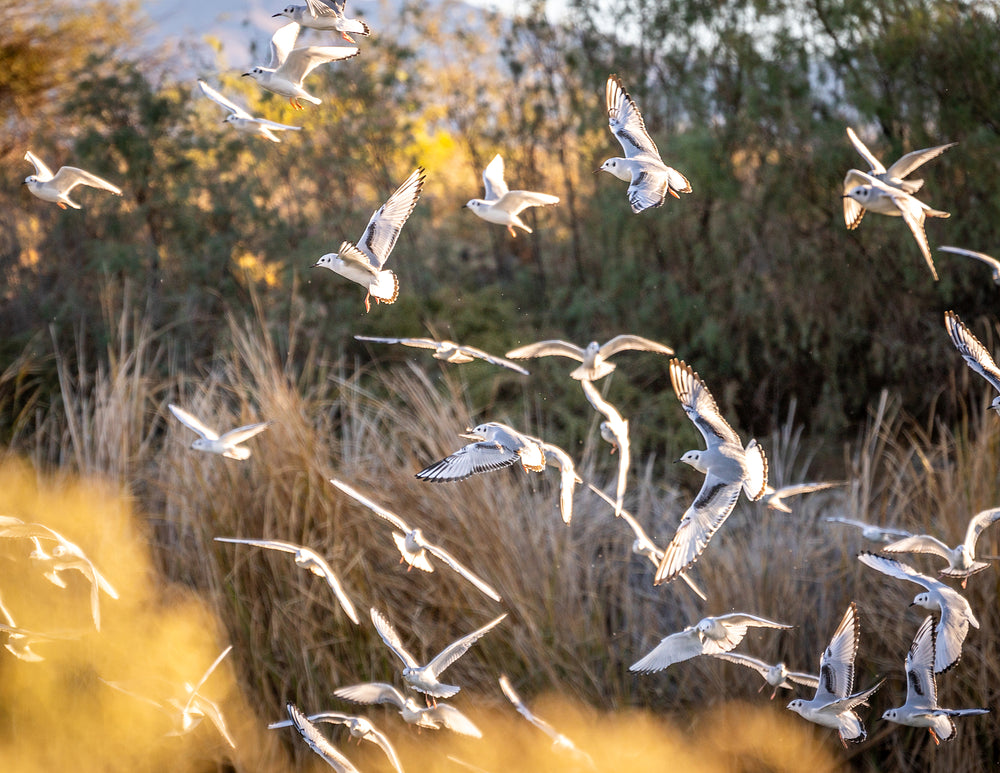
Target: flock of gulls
pixel 730 466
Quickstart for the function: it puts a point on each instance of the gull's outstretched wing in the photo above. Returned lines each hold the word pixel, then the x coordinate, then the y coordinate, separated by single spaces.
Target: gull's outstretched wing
pixel 493 180
pixel 467 573
pixel 282 43
pixel 973 352
pixel 302 61
pixel 383 229
pixel 482 456
pixel 547 348
pixel 391 638
pixel 457 648
pixel 42 171
pixel 242 434
pixel 913 160
pixel 372 692
pixel 216 97
pixel 700 406
pixel 318 742
pixel 628 342
pixel 836 666
pixel 921 687
pixel 193 423
pixel 68 177
pixel 380 511
pixel 626 121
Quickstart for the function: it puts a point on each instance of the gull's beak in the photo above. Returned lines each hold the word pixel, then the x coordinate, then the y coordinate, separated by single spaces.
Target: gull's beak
pixel 275 15
pixel 314 265
pixel 913 603
pixel 24 182
pixel 676 461
pixel 244 75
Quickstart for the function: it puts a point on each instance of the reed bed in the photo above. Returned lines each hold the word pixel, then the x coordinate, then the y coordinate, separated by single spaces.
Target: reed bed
pixel 580 606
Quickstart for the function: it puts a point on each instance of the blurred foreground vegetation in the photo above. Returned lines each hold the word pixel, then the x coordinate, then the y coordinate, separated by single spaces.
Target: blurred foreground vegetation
pixel 195 288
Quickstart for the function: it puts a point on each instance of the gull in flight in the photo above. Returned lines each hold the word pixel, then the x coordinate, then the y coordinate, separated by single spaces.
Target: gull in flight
pixel 568 478
pixel 833 704
pixel 359 727
pixel 502 206
pixel 956 614
pixel 227 444
pixel 425 678
pixel 871 193
pixel 448 351
pixel 242 121
pixel 649 179
pixel 20 640
pixel 708 636
pixel 993 263
pixel 728 467
pixel 325 15
pixel 776 676
pixel 308 559
pixel 289 66
pixel 871 531
pixel 439 717
pixel 413 546
pixel 363 262
pixel 192 710
pixel 961 559
pixel 65 556
pixel 775 498
pixel 614 429
pixel 642 545
pixel 974 353
pixel 329 753
pixel 921 707
pixel 57 187
pixel 594 358
pixel 494 446
pixel 559 741
pixel 892 176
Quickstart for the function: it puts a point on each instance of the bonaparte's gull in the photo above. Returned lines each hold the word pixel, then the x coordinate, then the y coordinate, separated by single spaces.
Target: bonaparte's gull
pixel 288 66
pixel 870 530
pixel 20 640
pixel 359 727
pixel 708 636
pixel 649 179
pixel 643 545
pixel 329 753
pixel 502 206
pixel 448 351
pixel 325 15
pixel 993 263
pixel 425 678
pixel 921 707
pixel 833 704
pixel 413 546
pixel 892 176
pixel 871 193
pixel 559 741
pixel 363 263
pixel 194 708
pixel 568 478
pixel 615 431
pixel 728 467
pixel 308 559
pixel 776 676
pixel 227 444
pixel 974 353
pixel 775 498
pixel 956 614
pixel 961 559
pixel 439 717
pixel 494 446
pixel 594 358
pixel 64 556
pixel 242 121
pixel 57 187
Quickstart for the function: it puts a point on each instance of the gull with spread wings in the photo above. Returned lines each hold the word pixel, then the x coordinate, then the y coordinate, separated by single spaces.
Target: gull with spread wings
pixel 359 727
pixel 649 179
pixel 327 752
pixel 494 447
pixel 226 444
pixel 308 559
pixel 439 717
pixel 425 678
pixel 776 676
pixel 325 15
pixel 57 187
pixel 364 262
pixel 729 468
pixel 594 358
pixel 503 206
pixel 413 546
pixel 974 353
pixel 448 351
pixel 243 121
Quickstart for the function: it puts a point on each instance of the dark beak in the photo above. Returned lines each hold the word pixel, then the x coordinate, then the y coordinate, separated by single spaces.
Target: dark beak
pixel 244 75
pixel 275 15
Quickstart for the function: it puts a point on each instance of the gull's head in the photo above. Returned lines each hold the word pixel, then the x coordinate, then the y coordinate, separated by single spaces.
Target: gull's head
pixel 288 10
pixel 327 260
pixel 796 705
pixel 860 193
pixel 254 73
pixel 890 714
pixel 693 458
pixel 30 179
pixel 615 167
pixel 477 433
pixel 200 444
pixel 995 405
pixel 474 204
pixel 923 600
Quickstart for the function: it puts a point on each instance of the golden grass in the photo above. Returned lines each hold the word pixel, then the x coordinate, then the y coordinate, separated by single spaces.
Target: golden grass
pixel 581 607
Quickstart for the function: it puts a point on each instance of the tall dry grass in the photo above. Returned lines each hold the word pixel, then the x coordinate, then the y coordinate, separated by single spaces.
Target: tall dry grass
pixel 580 606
